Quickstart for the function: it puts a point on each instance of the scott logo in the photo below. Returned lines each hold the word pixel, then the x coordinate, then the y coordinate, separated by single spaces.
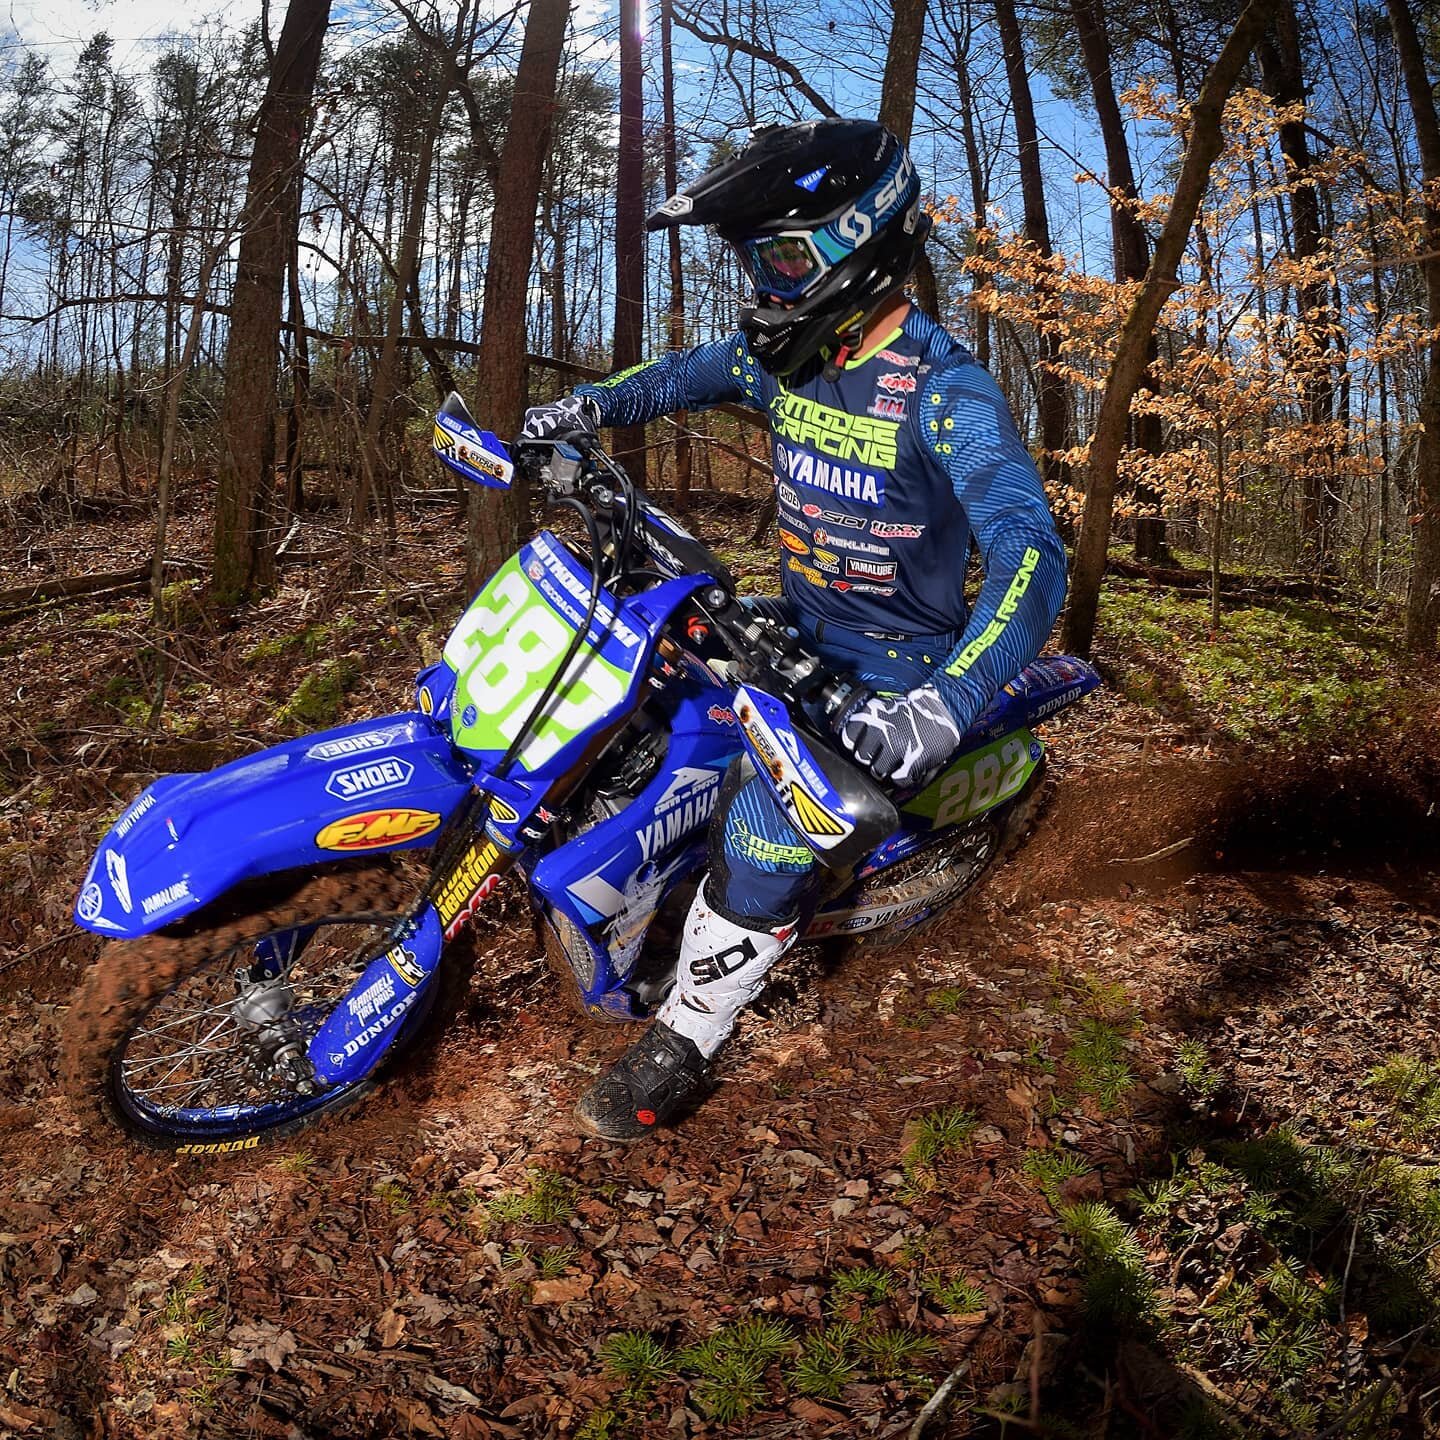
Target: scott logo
pixel 376 828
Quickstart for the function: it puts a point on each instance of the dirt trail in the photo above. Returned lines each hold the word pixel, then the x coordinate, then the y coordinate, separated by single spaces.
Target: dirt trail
pixel 360 1281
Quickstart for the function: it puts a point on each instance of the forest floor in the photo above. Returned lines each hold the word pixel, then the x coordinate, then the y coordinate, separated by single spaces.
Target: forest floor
pixel 1143 1141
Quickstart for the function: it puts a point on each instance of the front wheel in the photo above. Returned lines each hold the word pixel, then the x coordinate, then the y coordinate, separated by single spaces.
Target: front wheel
pixel 193 1040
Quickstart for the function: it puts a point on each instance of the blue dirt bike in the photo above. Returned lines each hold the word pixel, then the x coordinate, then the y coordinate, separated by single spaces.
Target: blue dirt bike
pixel 280 922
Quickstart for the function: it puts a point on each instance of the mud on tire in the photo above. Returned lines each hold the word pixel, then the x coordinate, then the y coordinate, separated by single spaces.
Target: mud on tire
pixel 132 976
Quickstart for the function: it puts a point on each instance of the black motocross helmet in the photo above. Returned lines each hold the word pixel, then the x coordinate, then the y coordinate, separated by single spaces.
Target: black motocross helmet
pixel 826 218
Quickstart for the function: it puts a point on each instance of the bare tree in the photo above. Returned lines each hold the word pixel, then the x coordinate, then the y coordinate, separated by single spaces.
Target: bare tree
pixel 1128 366
pixel 497 520
pixel 245 532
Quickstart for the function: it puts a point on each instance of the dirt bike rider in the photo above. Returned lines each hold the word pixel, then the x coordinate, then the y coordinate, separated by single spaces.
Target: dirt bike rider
pixel 891 448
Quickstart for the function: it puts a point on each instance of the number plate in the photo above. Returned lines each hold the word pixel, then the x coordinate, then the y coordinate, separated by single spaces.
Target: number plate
pixel 979 780
pixel 510 642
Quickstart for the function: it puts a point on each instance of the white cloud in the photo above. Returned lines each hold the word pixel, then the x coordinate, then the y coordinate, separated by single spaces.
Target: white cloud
pixel 61 28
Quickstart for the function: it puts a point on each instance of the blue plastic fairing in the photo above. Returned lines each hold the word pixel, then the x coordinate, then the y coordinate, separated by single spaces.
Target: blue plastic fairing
pixel 378 785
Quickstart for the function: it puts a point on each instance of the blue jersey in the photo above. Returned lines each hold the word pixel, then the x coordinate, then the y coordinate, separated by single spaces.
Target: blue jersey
pixel 881 477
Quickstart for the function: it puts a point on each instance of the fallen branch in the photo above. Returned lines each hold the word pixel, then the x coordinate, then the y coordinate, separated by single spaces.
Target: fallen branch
pixel 50 594
pixel 1179 578
pixel 939 1401
pixel 1161 854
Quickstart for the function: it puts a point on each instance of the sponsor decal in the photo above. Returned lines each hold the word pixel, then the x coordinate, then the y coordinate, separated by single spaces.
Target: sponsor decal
pixel 809 814
pixel 119 880
pixel 827 560
pixel 427 701
pixel 376 1027
pixel 466 886
pixel 855 587
pixel 893 384
pixel 810 181
pixel 380 991
pixel 500 811
pixel 765 852
pixel 163 899
pixel 219 1147
pixel 888 407
pixel 366 779
pixel 888 530
pixel 467 716
pixel 710 968
pixel 402 962
pixel 858 568
pixel 606 620
pixel 835 517
pixel 793 542
pixel 787 496
pixel 127 821
pixel 1059 702
pixel 849 482
pixel 483 461
pixel 896 359
pixel 372 829
pixel 89 904
pixel 806 572
pixel 1004 613
pixel 687 782
pixel 720 715
pixel 851 439
pixel 666 830
pixel 847 542
pixel 344 745
pixel 535 570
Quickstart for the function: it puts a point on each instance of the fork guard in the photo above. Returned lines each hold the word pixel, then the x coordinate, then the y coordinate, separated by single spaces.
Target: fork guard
pixel 370 787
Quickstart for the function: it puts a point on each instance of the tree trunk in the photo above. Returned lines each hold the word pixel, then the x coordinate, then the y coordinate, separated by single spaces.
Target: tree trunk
pixel 1052 397
pixel 376 483
pixel 629 442
pixel 1422 610
pixel 677 271
pixel 977 188
pixel 1282 71
pixel 1128 367
pixel 497 517
pixel 1131 248
pixel 245 531
pixel 897 114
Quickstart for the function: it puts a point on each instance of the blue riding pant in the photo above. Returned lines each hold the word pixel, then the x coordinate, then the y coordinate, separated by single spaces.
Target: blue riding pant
pixel 761 869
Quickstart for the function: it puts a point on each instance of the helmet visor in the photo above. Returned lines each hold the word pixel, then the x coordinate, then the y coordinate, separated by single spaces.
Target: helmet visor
pixel 784 266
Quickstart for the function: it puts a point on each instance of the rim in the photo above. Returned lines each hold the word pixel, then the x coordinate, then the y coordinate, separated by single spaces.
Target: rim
pixel 216 1054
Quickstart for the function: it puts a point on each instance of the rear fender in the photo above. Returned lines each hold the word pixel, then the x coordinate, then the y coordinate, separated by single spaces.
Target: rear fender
pixel 378 785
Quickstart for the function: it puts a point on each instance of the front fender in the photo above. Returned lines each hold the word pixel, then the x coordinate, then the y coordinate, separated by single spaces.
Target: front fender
pixel 383 784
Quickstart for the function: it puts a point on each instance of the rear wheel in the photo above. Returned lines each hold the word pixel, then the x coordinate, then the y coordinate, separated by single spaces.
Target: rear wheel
pixel 933 880
pixel 194 1040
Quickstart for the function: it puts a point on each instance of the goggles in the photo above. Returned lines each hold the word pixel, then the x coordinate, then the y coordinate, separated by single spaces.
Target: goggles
pixel 785 266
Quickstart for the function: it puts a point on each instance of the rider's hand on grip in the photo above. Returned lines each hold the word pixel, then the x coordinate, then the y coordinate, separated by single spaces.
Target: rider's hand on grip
pixel 902 740
pixel 571 418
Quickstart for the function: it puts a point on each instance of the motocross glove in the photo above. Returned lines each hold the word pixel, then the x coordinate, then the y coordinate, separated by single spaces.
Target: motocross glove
pixel 569 418
pixel 902 740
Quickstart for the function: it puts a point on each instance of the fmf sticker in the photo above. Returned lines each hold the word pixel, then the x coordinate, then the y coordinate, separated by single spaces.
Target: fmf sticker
pixel 357 780
pixel 793 542
pixel 469 884
pixel 373 829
